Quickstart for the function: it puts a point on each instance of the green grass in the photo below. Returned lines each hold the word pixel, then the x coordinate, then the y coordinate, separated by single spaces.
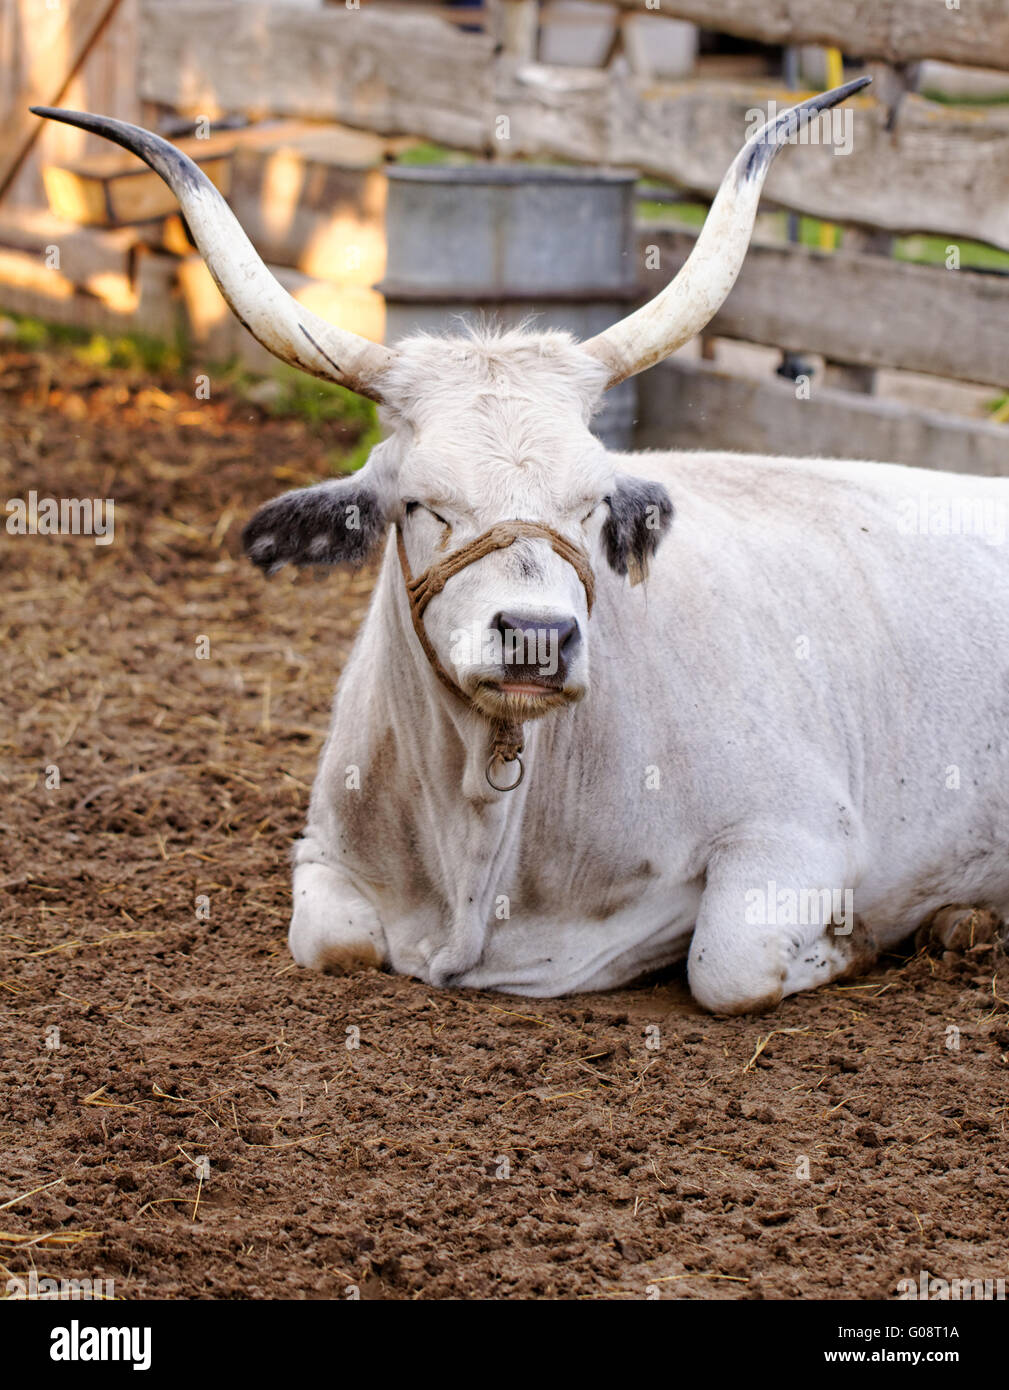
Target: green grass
pixel 297 396
pixel 425 152
pixel 931 250
pixel 973 101
pixel 135 350
pixel 131 351
pixel 693 215
pixel 689 214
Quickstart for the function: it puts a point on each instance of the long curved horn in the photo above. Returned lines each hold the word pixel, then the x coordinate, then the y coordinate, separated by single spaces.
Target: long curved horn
pixel 284 327
pixel 694 296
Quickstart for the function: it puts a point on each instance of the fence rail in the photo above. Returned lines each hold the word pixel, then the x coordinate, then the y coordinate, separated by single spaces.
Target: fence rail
pixel 897 31
pixel 862 310
pixel 692 405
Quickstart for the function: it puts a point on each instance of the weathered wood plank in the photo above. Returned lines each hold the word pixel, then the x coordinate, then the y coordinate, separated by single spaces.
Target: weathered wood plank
pixel 83 256
pixel 692 405
pixel 28 286
pixel 108 191
pixel 899 31
pixel 387 72
pixel 149 306
pixel 866 310
pixel 105 81
pixel 515 24
pixel 556 111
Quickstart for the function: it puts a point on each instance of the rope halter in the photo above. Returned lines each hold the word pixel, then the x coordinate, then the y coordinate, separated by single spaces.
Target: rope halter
pixel 507 739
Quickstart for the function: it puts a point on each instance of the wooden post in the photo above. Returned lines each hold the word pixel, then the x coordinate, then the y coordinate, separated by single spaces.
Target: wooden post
pixel 835 77
pixel 517 28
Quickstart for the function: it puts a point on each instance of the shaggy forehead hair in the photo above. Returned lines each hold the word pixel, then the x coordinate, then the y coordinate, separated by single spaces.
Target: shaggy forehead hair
pixel 497 410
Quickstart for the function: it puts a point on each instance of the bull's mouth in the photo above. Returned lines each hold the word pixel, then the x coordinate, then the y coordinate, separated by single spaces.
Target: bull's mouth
pixel 526 688
pixel 521 700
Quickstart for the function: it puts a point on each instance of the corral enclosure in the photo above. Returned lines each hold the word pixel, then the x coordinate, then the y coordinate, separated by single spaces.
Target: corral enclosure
pixel 183 1110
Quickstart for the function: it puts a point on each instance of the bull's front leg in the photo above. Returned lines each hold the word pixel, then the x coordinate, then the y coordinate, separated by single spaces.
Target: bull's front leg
pixel 776 918
pixel 333 928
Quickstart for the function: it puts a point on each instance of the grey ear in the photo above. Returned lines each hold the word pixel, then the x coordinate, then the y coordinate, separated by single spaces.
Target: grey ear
pixel 336 523
pixel 640 515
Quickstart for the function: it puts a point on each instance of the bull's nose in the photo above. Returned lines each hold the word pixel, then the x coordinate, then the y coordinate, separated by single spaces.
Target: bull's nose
pixel 529 627
pixel 535 647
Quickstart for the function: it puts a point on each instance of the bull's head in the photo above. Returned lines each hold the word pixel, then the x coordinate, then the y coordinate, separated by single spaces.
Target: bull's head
pixel 482 429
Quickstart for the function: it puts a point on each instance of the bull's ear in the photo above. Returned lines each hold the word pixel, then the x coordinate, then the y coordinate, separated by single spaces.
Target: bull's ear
pixel 640 515
pixel 334 523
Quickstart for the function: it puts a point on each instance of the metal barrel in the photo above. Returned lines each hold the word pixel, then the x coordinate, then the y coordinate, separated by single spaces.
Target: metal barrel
pixel 552 247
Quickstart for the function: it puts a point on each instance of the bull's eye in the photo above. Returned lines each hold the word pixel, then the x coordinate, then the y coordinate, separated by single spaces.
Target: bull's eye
pixel 411 507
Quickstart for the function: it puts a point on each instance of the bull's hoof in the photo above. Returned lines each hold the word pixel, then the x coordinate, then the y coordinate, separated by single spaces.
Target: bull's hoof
pixel 958 928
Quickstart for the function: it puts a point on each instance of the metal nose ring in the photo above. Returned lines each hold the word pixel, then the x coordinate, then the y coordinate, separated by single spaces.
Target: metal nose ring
pixel 492 760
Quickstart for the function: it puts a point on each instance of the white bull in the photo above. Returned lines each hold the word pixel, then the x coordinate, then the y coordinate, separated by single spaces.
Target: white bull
pixel 781 754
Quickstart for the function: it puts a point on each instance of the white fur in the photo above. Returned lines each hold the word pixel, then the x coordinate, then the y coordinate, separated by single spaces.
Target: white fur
pixel 799 676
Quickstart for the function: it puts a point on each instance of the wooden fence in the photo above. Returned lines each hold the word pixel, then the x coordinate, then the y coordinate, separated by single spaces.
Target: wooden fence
pixel 465 79
pixel 935 169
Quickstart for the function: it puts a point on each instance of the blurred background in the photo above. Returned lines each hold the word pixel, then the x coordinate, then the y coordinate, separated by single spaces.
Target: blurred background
pixel 387 159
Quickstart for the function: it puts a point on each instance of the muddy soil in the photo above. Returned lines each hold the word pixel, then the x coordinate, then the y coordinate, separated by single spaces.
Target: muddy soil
pixel 370 1134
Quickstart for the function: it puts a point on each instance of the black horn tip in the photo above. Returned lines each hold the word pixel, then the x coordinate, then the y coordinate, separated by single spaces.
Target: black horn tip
pixel 176 168
pixel 758 154
pixel 847 89
pixel 98 125
pixel 56 113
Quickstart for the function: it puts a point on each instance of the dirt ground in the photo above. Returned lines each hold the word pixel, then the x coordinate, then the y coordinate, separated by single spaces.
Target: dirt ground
pixel 471 1145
